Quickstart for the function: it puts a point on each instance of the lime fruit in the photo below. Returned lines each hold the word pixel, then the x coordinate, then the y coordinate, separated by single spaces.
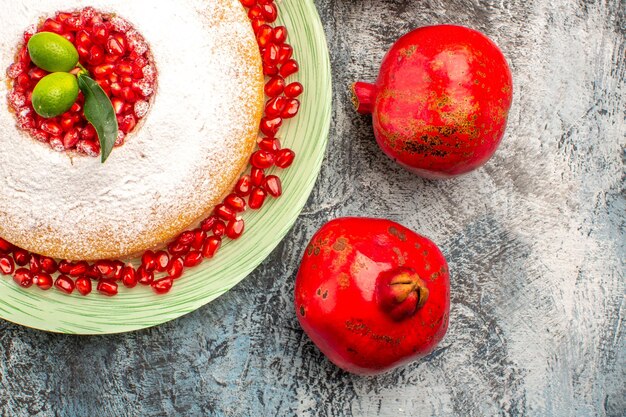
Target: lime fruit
pixel 52 52
pixel 54 94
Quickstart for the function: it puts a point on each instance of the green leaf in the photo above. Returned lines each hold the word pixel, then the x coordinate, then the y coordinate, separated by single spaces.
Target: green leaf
pixel 100 113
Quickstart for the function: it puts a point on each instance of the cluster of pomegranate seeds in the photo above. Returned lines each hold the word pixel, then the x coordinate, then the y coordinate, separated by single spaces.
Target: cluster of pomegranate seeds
pixel 115 55
pixel 160 269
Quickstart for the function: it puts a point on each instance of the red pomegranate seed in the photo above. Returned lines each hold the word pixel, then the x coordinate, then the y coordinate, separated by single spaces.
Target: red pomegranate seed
pixel 24 56
pixel 274 107
pixel 257 23
pixel 83 39
pixel 64 284
pixel 74 22
pixel 235 228
pixel 51 25
pixel 100 33
pixel 248 3
pixel 67 121
pixel 129 279
pixel 284 158
pixel 243 186
pixel 185 238
pixel 198 238
pixel 36 74
pixel 7 266
pixel 21 257
pixel 106 269
pixel 108 288
pixel 256 199
pixel 70 139
pixel 269 144
pixel 273 186
pixel 93 272
pixel 224 212
pixel 5 246
pixel 288 68
pixel 144 277
pixel 148 261
pixel 219 229
pixel 23 277
pixel 262 159
pixel 257 175
pixel 208 223
pixel 271 54
pixel 285 53
pixel 177 248
pixel 235 202
pixel 51 128
pixel 96 55
pixel 255 12
pixel 116 45
pixel 48 265
pixel 103 70
pixel 118 105
pixel 23 82
pixel 269 12
pixel 294 90
pixel 270 126
pixel 175 268
pixel 65 267
pixel 163 285
pixel 264 35
pixel 162 260
pixel 88 133
pixel 79 269
pixel 211 245
pixel 275 86
pixel 34 264
pixel 43 281
pixel 83 285
pixel 279 35
pixel 290 109
pixel 119 270
pixel 270 70
pixel 192 259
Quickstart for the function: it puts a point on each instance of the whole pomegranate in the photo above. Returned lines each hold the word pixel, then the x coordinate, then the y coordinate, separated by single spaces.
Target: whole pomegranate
pixel 441 101
pixel 372 294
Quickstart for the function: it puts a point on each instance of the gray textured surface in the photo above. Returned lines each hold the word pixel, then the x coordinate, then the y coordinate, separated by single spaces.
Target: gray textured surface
pixel 535 242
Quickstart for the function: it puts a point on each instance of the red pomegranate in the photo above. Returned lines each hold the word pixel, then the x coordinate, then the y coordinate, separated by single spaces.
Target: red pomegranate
pixel 441 101
pixel 372 294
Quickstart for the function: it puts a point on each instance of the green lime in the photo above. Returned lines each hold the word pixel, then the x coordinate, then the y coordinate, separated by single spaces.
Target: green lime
pixel 52 52
pixel 54 94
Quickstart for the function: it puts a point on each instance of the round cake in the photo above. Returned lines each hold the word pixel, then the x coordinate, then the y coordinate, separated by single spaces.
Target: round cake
pixel 174 167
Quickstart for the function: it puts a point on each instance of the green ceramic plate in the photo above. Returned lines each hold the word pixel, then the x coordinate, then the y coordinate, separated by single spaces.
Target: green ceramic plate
pixel 139 308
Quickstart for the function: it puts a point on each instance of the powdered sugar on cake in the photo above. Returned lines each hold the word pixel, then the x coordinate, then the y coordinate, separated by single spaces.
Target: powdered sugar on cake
pixel 172 169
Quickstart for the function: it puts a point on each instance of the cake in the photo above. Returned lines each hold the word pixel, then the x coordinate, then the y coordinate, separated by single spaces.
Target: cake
pixel 187 146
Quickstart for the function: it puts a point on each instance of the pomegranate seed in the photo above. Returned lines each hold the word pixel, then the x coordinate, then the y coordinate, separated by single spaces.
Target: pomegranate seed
pixel 262 159
pixel 285 53
pixel 270 126
pixel 234 229
pixel 128 122
pixel 284 158
pixel 175 268
pixel 211 245
pixel 274 107
pixel 51 128
pixel 64 284
pixel 243 186
pixel 116 89
pixel 192 259
pixel 93 272
pixel 257 175
pixel 185 238
pixel 256 199
pixel 176 248
pixel 43 281
pixel 23 82
pixel 162 260
pixel 88 133
pixel 208 223
pixel 5 246
pixel 79 269
pixel 235 202
pixel 37 74
pixel 106 269
pixel 144 277
pixel 271 55
pixel 65 267
pixel 148 261
pixel 288 68
pixel 273 186
pixel 279 35
pixel 100 33
pixel 51 25
pixel 198 238
pixel 275 86
pixel 96 55
pixel 23 277
pixel 7 266
pixel 83 39
pixel 248 3
pixel 270 70
pixel 21 257
pixel 103 70
pixel 34 265
pixel 67 121
pixel 269 12
pixel 163 285
pixel 108 288
pixel 49 265
pixel 219 229
pixel 119 270
pixel 129 279
pixel 118 105
pixel 24 57
pixel 255 12
pixel 257 23
pixel 270 144
pixel 116 45
pixel 294 90
pixel 290 109
pixel 74 22
pixel 264 35
pixel 70 139
pixel 224 212
pixel 83 285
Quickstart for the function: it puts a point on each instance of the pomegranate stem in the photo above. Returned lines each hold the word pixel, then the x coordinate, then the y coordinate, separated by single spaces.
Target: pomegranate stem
pixel 364 96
